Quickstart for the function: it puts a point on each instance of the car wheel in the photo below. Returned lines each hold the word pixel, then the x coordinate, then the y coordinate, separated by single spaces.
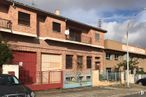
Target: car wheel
pixel 140 83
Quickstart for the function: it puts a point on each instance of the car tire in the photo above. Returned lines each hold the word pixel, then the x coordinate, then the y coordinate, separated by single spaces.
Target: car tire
pixel 140 83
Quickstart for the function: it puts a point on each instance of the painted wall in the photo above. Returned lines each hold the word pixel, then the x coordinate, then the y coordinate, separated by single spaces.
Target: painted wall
pixel 7 69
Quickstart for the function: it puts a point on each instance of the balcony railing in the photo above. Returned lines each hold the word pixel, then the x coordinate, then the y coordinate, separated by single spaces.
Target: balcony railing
pixel 7 24
pixel 82 38
pixel 86 39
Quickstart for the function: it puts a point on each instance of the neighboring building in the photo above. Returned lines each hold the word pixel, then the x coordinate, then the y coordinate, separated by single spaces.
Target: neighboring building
pixel 52 51
pixel 115 52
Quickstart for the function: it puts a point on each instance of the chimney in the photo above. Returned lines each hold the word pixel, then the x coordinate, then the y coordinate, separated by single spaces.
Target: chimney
pixel 57 12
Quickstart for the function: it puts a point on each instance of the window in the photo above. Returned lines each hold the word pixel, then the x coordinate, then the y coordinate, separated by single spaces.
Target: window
pixel 79 60
pixel 108 56
pixel 69 61
pixel 4 8
pixel 89 62
pixel 23 18
pixel 56 27
pixel 97 36
pixel 88 78
pixel 69 78
pixel 81 78
pixel 75 35
pixel 116 57
pixel 108 70
pixel 141 69
pixel 97 65
pixel 97 58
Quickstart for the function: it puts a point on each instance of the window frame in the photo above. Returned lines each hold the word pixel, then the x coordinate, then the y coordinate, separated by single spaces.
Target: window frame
pixel 69 64
pixel 75 34
pixel 89 62
pixel 97 36
pixel 56 27
pixel 108 57
pixel 116 56
pixel 24 19
pixel 108 69
pixel 80 60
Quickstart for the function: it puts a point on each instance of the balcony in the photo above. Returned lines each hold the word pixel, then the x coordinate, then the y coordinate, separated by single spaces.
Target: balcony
pixel 86 39
pixel 7 24
pixel 80 38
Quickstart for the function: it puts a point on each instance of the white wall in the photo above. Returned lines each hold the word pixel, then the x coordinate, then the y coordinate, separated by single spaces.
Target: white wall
pixel 11 68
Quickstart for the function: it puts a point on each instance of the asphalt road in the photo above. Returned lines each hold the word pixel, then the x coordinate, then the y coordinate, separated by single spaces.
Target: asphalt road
pixel 93 92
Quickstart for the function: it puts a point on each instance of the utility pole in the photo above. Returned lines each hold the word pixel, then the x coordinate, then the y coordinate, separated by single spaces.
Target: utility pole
pixel 127 56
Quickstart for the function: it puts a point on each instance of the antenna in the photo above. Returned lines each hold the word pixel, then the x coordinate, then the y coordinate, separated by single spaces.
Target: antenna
pixel 99 23
pixel 33 4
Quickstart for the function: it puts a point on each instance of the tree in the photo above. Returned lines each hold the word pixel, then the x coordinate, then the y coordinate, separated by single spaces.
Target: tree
pixel 132 64
pixel 5 52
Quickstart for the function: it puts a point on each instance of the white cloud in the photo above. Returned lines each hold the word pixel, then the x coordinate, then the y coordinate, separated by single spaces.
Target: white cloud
pixel 117 31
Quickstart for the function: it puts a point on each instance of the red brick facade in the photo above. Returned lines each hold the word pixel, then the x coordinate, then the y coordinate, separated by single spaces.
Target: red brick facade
pixel 40 38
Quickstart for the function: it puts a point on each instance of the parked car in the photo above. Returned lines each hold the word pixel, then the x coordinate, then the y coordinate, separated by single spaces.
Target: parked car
pixel 11 87
pixel 141 81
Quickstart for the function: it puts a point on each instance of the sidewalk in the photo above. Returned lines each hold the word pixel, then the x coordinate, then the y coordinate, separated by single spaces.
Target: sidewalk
pixel 110 91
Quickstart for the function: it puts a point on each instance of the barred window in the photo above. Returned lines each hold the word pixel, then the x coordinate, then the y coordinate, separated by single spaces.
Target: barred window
pixel 69 63
pixel 89 62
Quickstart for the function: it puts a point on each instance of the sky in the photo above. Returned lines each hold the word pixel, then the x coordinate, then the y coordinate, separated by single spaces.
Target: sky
pixel 115 15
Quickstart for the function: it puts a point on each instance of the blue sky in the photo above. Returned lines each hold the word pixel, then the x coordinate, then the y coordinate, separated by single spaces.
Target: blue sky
pixel 115 15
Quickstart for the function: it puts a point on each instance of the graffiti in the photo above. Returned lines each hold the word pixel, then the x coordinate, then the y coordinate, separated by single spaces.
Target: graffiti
pixel 77 79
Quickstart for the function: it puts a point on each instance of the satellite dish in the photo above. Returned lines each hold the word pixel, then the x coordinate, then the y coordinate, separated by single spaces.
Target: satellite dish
pixel 66 32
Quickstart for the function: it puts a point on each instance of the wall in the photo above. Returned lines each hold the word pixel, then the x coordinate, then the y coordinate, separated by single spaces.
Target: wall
pixel 11 68
pixel 12 15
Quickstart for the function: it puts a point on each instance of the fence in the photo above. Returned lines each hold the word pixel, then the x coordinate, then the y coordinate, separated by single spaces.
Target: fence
pixel 77 79
pixel 50 77
pixel 41 77
pixel 110 76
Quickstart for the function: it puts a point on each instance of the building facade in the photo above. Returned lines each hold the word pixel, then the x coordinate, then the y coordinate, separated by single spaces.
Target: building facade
pixel 52 51
pixel 115 52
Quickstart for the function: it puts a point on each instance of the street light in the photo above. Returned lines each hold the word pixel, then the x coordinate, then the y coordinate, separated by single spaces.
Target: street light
pixel 127 44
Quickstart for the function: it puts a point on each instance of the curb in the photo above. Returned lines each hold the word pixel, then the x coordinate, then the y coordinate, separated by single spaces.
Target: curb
pixel 127 94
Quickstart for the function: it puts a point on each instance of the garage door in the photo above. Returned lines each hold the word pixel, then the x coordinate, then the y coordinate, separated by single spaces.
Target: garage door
pixel 51 63
pixel 27 72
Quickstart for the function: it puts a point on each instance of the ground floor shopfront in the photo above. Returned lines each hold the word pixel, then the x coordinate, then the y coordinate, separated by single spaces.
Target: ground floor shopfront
pixel 48 65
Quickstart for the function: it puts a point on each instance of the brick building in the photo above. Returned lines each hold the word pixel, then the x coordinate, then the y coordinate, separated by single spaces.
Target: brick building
pixel 115 52
pixel 54 51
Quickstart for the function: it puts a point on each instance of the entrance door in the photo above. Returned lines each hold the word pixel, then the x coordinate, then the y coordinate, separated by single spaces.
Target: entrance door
pixel 27 71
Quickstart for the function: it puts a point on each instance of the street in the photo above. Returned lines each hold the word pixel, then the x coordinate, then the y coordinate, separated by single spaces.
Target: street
pixel 93 92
